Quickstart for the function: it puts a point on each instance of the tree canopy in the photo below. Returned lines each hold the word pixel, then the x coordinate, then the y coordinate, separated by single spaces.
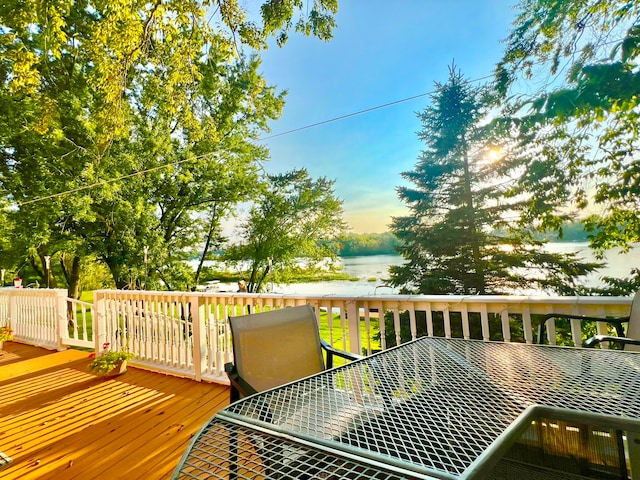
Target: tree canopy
pixel 578 131
pixel 130 128
pixel 294 218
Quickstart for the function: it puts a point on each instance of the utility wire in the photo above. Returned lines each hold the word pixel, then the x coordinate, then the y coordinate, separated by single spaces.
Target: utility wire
pixel 366 110
pixel 288 132
pixel 111 180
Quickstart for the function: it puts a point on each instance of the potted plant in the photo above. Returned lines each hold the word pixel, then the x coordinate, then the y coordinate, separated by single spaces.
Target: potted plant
pixel 109 362
pixel 6 335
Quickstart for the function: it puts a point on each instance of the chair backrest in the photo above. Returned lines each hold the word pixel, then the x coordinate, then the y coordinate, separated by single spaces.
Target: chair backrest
pixel 276 347
pixel 633 329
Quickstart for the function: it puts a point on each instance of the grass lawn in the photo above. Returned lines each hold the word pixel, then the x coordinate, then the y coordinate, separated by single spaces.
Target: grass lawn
pixel 335 337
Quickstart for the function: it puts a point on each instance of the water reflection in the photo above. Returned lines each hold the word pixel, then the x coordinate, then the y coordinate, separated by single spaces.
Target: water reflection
pixel 371 271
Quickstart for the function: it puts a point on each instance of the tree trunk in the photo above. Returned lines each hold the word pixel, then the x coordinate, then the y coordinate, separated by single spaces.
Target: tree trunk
pixel 72 276
pixel 212 229
pixel 73 281
pixel 479 282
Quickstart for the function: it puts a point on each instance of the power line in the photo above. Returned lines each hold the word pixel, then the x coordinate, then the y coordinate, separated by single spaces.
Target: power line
pixel 366 110
pixel 112 180
pixel 288 132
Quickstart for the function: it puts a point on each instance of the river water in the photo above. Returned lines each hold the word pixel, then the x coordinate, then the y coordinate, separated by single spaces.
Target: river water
pixel 371 271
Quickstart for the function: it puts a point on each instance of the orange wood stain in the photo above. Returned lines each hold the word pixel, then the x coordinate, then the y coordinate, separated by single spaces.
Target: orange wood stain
pixel 59 421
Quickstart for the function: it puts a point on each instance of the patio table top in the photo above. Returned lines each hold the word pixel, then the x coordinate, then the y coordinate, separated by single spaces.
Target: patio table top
pixel 437 408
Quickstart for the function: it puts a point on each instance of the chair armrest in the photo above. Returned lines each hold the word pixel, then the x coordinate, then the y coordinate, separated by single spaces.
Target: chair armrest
pixel 617 321
pixel 597 339
pixel 239 387
pixel 331 351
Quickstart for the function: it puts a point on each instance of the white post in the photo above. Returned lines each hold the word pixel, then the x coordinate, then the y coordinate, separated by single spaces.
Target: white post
pixel 199 337
pixel 99 321
pixel 12 314
pixel 146 264
pixel 355 341
pixel 47 264
pixel 62 331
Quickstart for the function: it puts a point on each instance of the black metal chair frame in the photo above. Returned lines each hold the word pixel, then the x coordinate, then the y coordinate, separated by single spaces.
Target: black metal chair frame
pixel 617 322
pixel 241 388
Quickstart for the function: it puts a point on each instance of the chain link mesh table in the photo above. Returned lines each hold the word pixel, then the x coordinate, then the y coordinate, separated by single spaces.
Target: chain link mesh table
pixel 437 408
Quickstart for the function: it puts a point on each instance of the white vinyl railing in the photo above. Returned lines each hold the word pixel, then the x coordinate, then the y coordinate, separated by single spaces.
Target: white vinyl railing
pixel 79 324
pixel 188 334
pixel 35 315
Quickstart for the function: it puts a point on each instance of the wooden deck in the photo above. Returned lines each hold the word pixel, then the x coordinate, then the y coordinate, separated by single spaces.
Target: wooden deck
pixel 58 420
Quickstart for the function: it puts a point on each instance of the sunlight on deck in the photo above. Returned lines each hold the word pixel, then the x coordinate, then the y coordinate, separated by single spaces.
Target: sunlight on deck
pixel 58 420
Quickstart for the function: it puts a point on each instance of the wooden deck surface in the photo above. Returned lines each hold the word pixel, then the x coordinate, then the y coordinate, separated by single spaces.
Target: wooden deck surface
pixel 59 421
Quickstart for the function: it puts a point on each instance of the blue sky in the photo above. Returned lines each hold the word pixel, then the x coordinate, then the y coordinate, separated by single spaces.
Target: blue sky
pixel 381 52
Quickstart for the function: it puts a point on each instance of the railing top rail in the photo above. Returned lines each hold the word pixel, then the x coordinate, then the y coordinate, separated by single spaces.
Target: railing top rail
pixel 489 299
pixel 75 301
pixel 33 292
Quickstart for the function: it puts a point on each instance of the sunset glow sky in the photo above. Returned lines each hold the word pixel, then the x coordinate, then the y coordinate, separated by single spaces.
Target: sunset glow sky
pixel 381 52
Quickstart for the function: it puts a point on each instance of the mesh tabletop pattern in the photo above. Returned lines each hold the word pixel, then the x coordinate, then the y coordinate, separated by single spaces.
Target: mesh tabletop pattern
pixel 437 404
pixel 226 449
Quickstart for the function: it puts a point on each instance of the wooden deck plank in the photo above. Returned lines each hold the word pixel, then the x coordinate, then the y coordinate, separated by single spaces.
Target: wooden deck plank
pixel 57 420
pixel 162 418
pixel 53 360
pixel 13 352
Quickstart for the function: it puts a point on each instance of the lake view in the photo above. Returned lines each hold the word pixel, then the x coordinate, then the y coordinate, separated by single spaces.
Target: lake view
pixel 376 266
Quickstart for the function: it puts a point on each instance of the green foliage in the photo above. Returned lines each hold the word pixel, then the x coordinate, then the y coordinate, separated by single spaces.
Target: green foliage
pixel 462 236
pixel 578 135
pixel 94 92
pixel 6 334
pixel 294 217
pixel 95 276
pixel 354 244
pixel 107 360
pixel 570 231
pixel 296 275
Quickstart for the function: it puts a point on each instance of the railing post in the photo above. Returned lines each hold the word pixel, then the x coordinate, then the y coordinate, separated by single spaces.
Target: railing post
pixel 62 331
pixel 99 321
pixel 12 314
pixel 199 337
pixel 353 318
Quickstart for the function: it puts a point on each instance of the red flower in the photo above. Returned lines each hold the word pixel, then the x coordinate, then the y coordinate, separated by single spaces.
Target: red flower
pixel 92 355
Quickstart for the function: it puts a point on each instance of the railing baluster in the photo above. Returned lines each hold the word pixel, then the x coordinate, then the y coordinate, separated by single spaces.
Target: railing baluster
pixel 164 332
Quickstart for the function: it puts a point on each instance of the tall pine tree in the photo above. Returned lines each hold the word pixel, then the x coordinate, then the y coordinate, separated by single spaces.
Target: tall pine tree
pixel 462 236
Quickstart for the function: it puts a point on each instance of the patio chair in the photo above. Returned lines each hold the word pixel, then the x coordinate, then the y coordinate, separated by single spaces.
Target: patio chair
pixel 629 339
pixel 277 347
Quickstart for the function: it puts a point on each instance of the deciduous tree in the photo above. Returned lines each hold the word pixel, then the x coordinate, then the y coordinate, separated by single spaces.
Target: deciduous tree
pixel 295 218
pixel 578 130
pixel 127 126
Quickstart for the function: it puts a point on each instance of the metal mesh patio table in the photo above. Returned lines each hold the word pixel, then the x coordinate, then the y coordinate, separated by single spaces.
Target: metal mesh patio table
pixel 438 408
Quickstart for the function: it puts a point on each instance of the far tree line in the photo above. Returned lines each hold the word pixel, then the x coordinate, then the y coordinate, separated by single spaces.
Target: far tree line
pixel 386 243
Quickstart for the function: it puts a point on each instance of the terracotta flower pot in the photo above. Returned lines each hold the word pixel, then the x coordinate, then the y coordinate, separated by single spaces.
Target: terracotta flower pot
pixel 119 368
